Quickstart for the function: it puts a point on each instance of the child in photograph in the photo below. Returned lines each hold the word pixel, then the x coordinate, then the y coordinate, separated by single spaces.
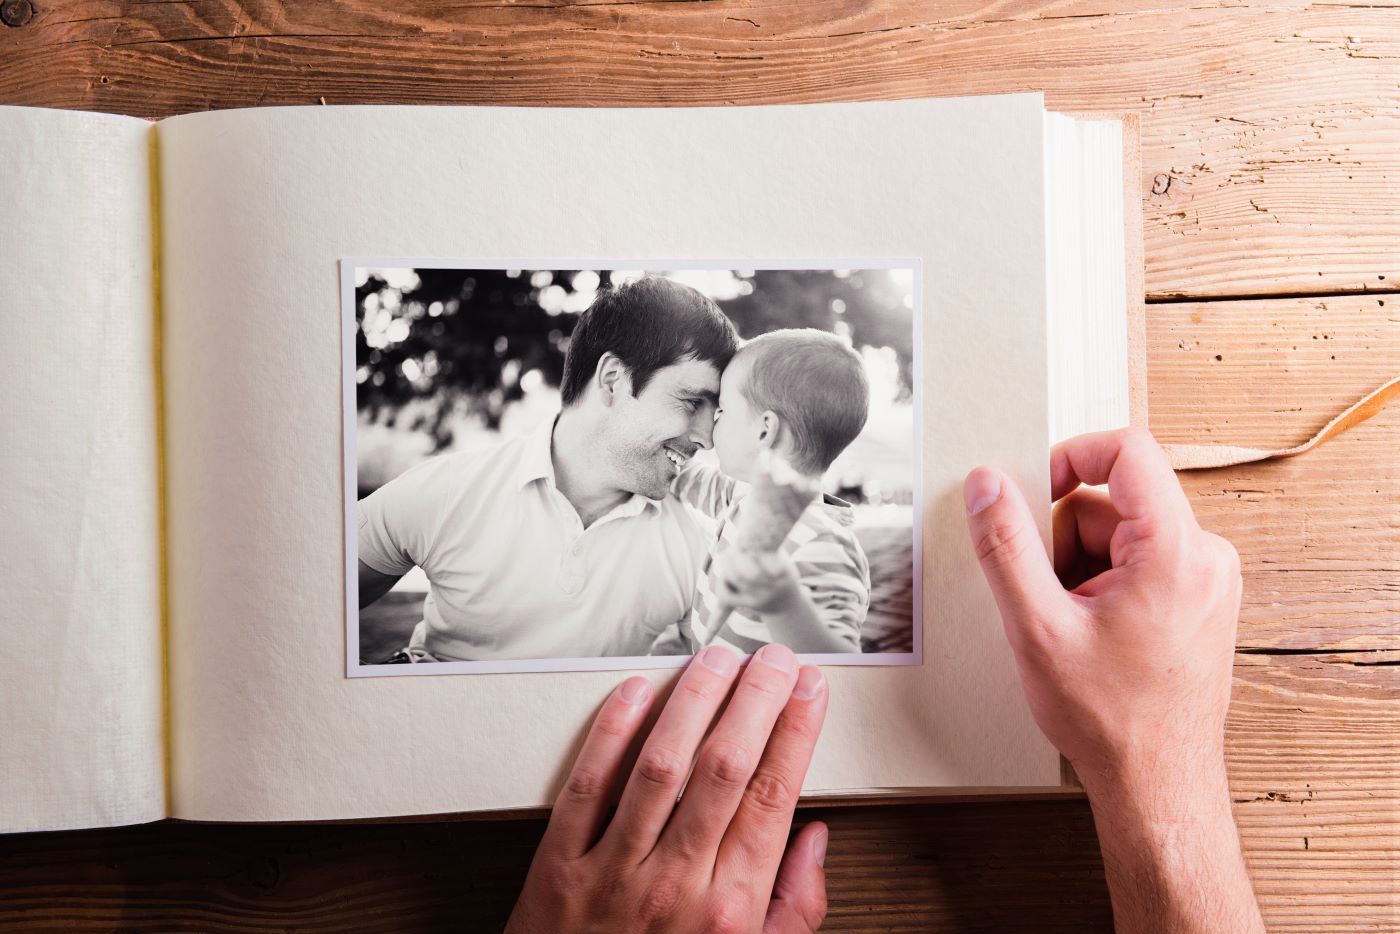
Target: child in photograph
pixel 790 401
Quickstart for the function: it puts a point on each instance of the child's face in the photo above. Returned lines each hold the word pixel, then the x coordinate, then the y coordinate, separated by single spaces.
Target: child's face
pixel 738 434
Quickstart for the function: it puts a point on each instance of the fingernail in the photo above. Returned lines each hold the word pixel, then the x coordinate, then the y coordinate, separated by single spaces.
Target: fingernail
pixel 777 656
pixel 819 840
pixel 981 488
pixel 809 683
pixel 635 690
pixel 719 659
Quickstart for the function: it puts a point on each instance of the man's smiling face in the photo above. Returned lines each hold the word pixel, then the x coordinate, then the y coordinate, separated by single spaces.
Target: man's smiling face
pixel 653 433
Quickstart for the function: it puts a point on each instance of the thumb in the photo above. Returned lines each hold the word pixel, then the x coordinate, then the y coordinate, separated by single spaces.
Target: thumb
pixel 1010 549
pixel 799 894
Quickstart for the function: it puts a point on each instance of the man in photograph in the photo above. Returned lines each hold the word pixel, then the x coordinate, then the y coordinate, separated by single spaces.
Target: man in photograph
pixel 565 543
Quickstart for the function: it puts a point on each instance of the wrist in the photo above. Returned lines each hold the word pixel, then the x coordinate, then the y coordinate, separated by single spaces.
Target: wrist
pixel 1171 850
pixel 1159 803
pixel 1160 775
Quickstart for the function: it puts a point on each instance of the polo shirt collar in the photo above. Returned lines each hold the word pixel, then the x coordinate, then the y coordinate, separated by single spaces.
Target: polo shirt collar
pixel 537 463
pixel 535 460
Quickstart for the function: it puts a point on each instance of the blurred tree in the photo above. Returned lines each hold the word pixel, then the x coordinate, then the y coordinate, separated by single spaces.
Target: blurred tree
pixel 461 341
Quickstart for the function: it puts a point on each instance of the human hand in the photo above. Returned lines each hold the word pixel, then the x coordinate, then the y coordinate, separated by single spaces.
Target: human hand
pixel 715 861
pixel 1127 671
pixel 762 581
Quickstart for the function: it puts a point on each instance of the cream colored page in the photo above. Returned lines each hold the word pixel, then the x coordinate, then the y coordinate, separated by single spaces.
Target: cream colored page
pixel 259 207
pixel 80 629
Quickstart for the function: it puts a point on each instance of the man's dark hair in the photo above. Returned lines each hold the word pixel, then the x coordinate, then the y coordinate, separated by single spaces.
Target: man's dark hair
pixel 648 324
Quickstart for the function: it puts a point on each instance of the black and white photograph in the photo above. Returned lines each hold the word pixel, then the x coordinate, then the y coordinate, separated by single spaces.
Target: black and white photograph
pixel 554 469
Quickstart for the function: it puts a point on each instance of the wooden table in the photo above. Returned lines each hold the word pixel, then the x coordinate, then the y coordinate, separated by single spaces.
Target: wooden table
pixel 1271 192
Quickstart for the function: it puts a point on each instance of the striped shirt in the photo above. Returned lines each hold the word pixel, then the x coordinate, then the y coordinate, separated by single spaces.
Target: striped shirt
pixel 831 568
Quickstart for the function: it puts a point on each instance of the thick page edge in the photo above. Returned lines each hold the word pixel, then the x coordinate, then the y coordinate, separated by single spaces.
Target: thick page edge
pixel 156 805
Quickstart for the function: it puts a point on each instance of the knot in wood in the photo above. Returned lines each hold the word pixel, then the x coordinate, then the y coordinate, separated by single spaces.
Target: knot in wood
pixel 1161 183
pixel 16 12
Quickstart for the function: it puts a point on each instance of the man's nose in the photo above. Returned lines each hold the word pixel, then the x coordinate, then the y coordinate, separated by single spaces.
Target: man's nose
pixel 702 428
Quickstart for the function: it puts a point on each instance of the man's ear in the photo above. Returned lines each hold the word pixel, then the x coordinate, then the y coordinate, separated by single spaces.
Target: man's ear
pixel 771 430
pixel 611 377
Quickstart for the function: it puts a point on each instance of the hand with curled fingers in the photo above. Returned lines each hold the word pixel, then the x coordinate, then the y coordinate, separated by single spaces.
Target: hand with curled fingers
pixel 1125 647
pixel 714 859
pixel 763 581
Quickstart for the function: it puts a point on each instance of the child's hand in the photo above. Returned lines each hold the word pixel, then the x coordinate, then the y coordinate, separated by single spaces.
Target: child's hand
pixel 765 581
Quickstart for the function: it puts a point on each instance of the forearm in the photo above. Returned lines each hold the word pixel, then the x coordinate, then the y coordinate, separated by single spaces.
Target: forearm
pixel 374 584
pixel 1171 852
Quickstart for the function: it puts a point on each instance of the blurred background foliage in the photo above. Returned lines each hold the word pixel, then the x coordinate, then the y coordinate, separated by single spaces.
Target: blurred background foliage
pixel 436 346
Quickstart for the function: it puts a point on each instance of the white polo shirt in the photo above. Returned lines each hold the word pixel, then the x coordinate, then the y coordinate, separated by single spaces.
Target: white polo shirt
pixel 512 571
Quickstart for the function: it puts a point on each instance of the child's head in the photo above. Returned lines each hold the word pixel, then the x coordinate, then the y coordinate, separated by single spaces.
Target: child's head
pixel 801 392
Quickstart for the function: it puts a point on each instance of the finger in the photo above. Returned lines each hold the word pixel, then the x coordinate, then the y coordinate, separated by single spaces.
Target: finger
pixel 1010 550
pixel 582 803
pixel 1141 482
pixel 731 754
pixel 664 762
pixel 799 894
pixel 1084 523
pixel 753 843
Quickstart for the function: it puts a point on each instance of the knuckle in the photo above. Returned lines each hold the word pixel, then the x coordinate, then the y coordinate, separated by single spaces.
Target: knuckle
pixel 1001 543
pixel 1136 434
pixel 727 764
pixel 585 782
pixel 802 728
pixel 771 793
pixel 562 876
pixel 660 767
pixel 730 915
pixel 611 726
pixel 764 682
pixel 1229 555
pixel 661 899
pixel 1138 441
pixel 697 687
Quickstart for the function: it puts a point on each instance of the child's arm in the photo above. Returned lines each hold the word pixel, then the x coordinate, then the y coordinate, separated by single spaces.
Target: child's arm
pixel 705 488
pixel 809 619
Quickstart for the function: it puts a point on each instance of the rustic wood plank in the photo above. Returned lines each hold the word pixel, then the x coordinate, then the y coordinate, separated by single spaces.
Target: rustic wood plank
pixel 1314 762
pixel 987 867
pixel 1251 184
pixel 1271 141
pixel 1319 535
pixel 1313 759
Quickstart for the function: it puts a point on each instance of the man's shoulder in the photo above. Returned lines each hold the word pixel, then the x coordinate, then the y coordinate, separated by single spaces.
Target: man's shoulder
pixel 464 468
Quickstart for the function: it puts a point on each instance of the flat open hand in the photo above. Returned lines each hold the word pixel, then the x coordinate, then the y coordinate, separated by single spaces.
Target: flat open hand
pixel 713 860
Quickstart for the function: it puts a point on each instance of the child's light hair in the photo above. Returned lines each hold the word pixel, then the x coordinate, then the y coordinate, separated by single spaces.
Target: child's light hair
pixel 816 384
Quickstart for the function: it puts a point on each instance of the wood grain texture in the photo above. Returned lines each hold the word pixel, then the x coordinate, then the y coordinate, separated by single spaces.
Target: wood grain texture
pixel 1312 755
pixel 1271 131
pixel 1314 760
pixel 1319 535
pixel 1271 148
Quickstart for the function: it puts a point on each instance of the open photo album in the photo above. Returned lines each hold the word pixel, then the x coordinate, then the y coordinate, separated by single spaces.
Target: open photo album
pixel 352 454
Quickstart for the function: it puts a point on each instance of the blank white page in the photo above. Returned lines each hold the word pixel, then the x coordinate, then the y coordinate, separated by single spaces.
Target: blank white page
pixel 81 712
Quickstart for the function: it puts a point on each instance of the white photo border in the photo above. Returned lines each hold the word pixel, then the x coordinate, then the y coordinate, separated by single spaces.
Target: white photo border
pixel 350 467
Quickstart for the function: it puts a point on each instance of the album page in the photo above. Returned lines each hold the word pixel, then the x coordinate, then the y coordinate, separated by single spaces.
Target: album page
pixel 298 240
pixel 81 708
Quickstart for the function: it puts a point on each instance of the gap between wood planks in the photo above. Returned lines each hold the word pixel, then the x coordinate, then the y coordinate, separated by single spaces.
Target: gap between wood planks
pixel 1355 657
pixel 1176 298
pixel 1368 657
